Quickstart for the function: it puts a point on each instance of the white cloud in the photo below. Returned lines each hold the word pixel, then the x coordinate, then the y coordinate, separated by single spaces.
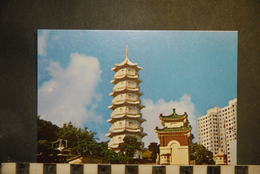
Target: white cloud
pixel 70 94
pixel 42 43
pixel 153 109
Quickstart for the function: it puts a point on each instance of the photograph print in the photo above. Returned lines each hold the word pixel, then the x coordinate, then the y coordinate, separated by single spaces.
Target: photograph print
pixel 137 96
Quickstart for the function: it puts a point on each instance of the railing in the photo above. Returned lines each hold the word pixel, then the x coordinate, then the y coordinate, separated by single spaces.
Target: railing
pixel 65 168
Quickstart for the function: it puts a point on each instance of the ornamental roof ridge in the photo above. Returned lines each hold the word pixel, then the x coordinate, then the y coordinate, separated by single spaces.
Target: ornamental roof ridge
pixel 174 115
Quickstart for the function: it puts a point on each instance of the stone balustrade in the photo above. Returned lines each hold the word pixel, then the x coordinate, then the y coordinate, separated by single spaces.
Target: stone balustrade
pixel 65 168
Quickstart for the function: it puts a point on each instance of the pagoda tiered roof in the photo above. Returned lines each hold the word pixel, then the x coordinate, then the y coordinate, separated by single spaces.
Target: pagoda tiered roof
pixel 126 103
pixel 173 117
pixel 126 62
pixel 173 130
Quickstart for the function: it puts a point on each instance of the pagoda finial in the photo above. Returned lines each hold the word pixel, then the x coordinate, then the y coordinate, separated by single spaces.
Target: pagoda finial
pixel 126 51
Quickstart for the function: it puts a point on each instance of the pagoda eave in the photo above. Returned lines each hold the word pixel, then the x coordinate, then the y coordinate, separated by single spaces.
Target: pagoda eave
pixel 115 93
pixel 173 131
pixel 126 115
pixel 111 134
pixel 172 119
pixel 126 102
pixel 140 120
pixel 112 107
pixel 126 89
pixel 115 105
pixel 119 66
pixel 127 130
pixel 126 78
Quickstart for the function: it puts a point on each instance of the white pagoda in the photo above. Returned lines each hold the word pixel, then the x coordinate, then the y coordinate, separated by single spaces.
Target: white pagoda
pixel 126 118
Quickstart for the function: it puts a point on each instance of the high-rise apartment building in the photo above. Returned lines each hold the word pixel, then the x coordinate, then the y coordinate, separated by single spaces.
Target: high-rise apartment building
pixel 218 130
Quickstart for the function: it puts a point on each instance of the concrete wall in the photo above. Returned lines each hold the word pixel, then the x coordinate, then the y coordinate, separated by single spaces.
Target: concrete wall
pixel 39 168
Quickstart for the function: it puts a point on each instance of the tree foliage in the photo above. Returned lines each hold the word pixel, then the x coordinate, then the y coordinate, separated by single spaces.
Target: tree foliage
pixel 81 141
pixel 46 130
pixel 130 146
pixel 200 154
pixel 113 157
pixel 155 149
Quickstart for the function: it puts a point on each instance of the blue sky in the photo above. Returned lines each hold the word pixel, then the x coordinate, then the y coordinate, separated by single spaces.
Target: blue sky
pixel 190 70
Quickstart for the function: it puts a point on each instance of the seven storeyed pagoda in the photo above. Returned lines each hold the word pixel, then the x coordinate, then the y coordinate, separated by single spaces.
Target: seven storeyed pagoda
pixel 126 118
pixel 175 138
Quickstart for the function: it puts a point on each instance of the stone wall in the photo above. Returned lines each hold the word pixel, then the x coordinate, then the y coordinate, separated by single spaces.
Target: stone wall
pixel 40 168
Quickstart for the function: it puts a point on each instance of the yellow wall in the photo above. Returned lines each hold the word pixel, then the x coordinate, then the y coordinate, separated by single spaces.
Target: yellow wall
pixel 179 154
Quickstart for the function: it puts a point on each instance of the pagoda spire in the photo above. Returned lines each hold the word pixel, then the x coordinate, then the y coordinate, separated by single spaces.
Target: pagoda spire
pixel 126 62
pixel 126 51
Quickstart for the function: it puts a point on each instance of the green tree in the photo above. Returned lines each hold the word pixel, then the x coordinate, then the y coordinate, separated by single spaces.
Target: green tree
pixel 113 157
pixel 155 149
pixel 81 141
pixel 200 154
pixel 130 146
pixel 46 130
